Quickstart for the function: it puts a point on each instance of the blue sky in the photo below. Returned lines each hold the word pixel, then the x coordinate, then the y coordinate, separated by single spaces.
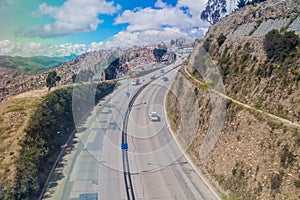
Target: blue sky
pixel 62 27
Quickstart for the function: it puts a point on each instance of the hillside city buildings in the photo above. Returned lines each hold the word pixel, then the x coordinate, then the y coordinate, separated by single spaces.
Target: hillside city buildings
pixel 13 82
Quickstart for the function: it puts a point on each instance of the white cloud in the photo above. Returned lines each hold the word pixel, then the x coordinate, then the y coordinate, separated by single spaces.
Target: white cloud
pixel 185 17
pixel 161 4
pixel 150 36
pixel 145 26
pixel 195 6
pixel 163 23
pixel 6 47
pixel 151 18
pixel 10 48
pixel 73 16
pixel 123 39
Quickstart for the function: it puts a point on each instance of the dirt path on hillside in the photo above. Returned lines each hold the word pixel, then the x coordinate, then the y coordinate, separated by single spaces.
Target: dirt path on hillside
pixel 31 93
pixel 282 120
pixel 37 93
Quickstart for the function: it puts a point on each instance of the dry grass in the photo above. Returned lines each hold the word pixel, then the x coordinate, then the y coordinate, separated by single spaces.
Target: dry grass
pixel 14 114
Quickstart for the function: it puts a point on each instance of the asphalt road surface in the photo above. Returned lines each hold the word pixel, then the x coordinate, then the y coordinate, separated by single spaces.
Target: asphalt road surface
pixel 157 165
pixel 93 169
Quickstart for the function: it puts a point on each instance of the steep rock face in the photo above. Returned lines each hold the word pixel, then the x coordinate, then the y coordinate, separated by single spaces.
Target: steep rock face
pixel 255 156
pixel 257 153
pixel 247 72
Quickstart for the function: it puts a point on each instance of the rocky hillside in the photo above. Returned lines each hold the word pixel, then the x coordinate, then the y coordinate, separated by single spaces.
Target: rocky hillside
pixel 18 75
pixel 248 73
pixel 253 141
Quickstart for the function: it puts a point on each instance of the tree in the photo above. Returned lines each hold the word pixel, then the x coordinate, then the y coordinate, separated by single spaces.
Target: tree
pixel 279 46
pixel 241 3
pixel 51 79
pixel 254 2
pixel 74 78
pixel 58 78
pixel 221 39
pixel 213 11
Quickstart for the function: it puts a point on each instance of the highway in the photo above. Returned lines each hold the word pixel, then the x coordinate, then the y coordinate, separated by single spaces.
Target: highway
pixel 158 168
pixel 94 168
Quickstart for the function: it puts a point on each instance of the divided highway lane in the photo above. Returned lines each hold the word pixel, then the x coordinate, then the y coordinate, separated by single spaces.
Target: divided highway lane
pixel 157 165
pixel 94 170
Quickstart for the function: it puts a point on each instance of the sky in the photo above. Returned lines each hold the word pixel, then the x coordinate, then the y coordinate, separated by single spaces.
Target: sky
pixel 65 27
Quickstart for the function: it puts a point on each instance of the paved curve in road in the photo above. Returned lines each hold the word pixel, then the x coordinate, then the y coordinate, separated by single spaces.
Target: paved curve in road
pixel 158 168
pixel 93 169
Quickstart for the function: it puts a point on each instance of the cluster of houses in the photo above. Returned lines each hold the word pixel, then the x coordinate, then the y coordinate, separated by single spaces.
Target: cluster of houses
pixel 144 60
pixel 13 82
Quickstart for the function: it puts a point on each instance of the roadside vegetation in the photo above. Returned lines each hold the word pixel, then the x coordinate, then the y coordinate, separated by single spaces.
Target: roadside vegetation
pixel 47 130
pixel 172 107
pixel 51 79
pixel 243 3
pixel 280 46
pixel 14 117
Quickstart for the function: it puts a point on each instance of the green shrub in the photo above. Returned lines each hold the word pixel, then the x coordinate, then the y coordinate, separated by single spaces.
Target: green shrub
pixel 298 77
pixel 224 59
pixel 206 44
pixel 287 158
pixel 276 180
pixel 221 39
pixel 186 62
pixel 48 129
pixel 297 183
pixel 257 104
pixel 279 46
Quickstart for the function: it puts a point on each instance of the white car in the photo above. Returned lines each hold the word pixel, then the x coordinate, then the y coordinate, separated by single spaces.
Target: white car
pixel 153 116
pixel 135 81
pixel 152 77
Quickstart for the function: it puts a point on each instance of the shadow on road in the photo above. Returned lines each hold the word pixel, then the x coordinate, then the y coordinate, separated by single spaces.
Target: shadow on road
pixel 58 173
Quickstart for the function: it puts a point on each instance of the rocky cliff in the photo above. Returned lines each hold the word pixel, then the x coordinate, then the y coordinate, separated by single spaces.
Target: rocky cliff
pixel 246 104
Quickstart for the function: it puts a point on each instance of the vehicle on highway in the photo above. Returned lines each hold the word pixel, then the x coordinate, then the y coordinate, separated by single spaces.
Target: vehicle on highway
pixel 135 81
pixel 152 77
pixel 164 78
pixel 153 116
pixel 161 71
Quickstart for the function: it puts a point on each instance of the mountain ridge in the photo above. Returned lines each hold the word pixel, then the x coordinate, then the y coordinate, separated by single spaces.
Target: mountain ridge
pixel 33 64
